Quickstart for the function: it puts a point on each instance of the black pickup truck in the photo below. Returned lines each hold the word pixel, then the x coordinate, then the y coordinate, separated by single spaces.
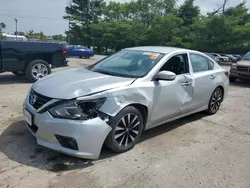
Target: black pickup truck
pixel 33 59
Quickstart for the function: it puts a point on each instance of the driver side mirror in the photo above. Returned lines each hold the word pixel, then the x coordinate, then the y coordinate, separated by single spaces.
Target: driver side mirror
pixel 165 75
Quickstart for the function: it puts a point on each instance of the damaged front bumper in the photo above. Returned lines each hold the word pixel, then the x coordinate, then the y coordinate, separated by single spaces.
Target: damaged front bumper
pixel 83 139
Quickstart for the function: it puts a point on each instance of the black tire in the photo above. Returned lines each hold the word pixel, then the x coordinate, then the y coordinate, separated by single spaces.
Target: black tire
pixel 232 79
pixel 87 57
pixel 80 57
pixel 18 73
pixel 32 64
pixel 215 101
pixel 130 134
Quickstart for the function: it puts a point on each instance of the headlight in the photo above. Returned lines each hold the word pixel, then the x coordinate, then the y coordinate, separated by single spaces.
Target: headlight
pixel 77 110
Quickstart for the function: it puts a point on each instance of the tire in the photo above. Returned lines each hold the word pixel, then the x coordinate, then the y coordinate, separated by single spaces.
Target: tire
pixel 123 138
pixel 215 101
pixel 80 57
pixel 232 79
pixel 30 72
pixel 18 73
pixel 87 57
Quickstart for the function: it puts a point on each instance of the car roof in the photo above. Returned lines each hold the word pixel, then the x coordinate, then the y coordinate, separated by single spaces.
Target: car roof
pixel 159 49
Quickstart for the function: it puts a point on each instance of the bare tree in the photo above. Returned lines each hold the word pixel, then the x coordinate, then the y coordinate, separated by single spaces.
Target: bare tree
pixel 220 9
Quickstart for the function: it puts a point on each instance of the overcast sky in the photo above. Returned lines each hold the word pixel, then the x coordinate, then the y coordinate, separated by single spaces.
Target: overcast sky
pixel 46 15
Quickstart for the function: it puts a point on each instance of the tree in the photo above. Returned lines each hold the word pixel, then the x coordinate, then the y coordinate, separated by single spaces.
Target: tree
pixel 85 11
pixel 158 22
pixel 59 37
pixel 188 12
pixel 19 33
pixel 2 26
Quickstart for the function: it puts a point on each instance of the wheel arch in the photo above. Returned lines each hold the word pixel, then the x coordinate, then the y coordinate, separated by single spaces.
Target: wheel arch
pixel 143 110
pixel 222 89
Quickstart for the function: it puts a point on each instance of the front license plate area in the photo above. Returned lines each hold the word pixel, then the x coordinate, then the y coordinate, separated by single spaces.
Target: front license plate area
pixel 28 117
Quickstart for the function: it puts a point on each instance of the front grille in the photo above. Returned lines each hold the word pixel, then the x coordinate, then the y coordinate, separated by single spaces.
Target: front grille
pixel 37 100
pixel 241 68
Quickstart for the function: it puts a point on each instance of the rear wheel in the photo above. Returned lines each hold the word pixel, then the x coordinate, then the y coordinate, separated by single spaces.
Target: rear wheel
pixel 18 73
pixel 37 69
pixel 127 128
pixel 215 101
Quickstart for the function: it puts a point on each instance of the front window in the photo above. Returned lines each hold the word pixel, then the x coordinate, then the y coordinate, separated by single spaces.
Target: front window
pixel 128 63
pixel 246 57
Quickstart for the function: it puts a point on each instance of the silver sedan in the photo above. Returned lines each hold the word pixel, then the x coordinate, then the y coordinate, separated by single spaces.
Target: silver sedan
pixel 114 100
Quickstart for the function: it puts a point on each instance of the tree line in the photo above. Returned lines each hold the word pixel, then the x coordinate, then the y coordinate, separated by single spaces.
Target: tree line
pixel 115 25
pixel 31 34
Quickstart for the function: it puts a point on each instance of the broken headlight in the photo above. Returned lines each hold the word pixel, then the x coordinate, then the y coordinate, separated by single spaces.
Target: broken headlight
pixel 77 110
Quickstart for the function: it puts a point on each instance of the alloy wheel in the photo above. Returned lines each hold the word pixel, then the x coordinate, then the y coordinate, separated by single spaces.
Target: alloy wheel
pixel 216 100
pixel 39 71
pixel 127 129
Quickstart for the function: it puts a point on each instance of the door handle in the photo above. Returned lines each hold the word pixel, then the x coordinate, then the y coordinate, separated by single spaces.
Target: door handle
pixel 185 84
pixel 212 77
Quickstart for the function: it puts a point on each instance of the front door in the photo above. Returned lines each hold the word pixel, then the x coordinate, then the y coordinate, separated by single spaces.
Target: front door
pixel 172 98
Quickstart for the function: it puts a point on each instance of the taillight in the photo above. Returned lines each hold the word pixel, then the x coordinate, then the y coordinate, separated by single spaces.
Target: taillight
pixel 64 52
pixel 227 74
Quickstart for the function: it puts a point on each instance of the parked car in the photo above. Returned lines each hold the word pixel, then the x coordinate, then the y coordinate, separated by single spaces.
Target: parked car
pixel 213 57
pixel 231 57
pixel 241 69
pixel 79 51
pixel 220 57
pixel 115 100
pixel 33 59
pixel 238 57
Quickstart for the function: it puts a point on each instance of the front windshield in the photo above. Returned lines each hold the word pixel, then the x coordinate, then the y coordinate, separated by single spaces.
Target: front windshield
pixel 246 57
pixel 128 63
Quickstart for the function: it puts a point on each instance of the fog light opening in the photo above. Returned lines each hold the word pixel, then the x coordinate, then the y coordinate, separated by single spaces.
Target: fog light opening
pixel 67 142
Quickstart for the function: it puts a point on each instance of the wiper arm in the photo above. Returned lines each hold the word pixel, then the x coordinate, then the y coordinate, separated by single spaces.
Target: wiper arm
pixel 103 72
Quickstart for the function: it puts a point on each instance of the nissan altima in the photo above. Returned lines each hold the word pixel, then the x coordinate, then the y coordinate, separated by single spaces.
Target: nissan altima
pixel 114 100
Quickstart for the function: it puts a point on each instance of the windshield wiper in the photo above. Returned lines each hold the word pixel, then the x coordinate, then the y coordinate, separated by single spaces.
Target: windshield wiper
pixel 104 72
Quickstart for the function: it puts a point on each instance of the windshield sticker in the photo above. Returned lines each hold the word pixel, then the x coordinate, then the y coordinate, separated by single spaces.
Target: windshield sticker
pixel 151 54
pixel 154 57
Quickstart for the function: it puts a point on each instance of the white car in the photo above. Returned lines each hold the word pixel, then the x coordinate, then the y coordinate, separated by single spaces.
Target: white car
pixel 113 101
pixel 220 57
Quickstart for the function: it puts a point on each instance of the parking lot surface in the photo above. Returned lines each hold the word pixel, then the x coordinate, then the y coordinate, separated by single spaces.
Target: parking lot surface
pixel 196 151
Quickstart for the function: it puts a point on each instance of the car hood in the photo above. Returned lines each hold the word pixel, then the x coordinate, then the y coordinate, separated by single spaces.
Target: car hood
pixel 78 82
pixel 245 63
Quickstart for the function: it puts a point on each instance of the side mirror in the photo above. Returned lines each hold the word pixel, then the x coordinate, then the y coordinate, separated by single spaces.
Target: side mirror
pixel 165 75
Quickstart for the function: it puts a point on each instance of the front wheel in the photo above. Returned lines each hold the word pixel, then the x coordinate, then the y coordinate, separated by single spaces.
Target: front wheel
pixel 215 101
pixel 127 128
pixel 37 69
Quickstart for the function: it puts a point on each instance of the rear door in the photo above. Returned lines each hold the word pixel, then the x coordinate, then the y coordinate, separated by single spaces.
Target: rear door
pixel 204 79
pixel 13 56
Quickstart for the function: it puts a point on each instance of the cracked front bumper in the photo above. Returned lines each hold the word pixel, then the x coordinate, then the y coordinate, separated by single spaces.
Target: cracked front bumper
pixel 89 134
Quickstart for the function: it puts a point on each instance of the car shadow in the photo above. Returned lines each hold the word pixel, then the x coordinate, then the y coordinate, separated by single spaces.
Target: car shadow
pixel 19 145
pixel 12 79
pixel 241 83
